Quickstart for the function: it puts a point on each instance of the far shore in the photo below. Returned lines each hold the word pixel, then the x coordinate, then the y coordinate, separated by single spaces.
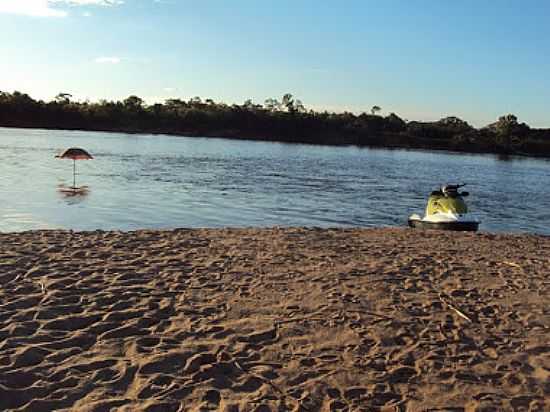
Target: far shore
pixel 390 141
pixel 298 319
pixel 287 121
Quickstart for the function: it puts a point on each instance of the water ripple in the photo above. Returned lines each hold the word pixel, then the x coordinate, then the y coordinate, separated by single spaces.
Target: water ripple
pixel 165 181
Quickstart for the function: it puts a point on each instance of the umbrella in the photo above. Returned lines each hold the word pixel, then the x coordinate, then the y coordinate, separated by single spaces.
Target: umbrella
pixel 75 154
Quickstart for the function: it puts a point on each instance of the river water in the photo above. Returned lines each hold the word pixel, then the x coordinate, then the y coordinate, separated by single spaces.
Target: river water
pixel 146 181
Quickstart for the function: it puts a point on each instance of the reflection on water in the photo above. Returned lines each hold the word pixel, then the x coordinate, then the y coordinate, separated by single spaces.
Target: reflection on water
pixel 73 195
pixel 142 181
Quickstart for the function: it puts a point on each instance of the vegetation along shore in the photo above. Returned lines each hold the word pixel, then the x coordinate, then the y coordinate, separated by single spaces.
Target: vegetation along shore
pixel 285 120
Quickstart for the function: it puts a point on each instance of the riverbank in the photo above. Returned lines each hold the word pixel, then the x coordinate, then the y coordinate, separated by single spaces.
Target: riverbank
pixel 274 319
pixel 384 140
pixel 275 122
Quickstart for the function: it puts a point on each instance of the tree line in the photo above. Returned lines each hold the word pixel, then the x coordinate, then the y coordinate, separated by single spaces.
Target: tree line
pixel 284 120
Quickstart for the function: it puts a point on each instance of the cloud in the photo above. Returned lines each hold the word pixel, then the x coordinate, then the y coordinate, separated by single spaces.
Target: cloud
pixel 108 60
pixel 49 8
pixel 35 8
pixel 88 2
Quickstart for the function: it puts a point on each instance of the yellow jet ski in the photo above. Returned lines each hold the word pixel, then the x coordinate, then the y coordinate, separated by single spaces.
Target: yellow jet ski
pixel 446 210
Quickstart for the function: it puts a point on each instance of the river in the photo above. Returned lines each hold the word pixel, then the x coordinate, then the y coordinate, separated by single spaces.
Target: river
pixel 157 181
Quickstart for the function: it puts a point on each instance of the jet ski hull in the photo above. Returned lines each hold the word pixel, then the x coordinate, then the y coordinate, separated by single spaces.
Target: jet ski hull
pixel 459 226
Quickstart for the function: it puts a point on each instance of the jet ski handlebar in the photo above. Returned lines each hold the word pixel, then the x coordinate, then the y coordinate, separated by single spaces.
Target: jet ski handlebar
pixel 452 190
pixel 454 187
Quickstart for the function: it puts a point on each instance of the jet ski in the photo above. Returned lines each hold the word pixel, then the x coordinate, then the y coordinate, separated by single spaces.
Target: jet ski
pixel 446 210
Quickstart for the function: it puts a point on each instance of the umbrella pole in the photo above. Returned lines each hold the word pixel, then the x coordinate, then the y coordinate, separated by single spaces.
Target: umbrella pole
pixel 74 174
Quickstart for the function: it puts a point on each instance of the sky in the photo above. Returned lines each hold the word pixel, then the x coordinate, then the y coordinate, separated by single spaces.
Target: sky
pixel 423 60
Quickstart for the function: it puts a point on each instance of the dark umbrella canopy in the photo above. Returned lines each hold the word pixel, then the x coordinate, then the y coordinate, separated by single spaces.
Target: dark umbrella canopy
pixel 75 153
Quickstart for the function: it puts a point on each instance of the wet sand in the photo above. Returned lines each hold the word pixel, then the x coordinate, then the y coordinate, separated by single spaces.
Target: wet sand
pixel 274 320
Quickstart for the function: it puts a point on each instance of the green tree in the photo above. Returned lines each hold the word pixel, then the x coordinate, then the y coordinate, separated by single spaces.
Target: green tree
pixel 292 105
pixel 288 103
pixel 454 124
pixel 250 105
pixel 63 98
pixel 395 123
pixel 133 103
pixel 375 109
pixel 175 105
pixel 273 105
pixel 299 106
pixel 195 101
pixel 506 125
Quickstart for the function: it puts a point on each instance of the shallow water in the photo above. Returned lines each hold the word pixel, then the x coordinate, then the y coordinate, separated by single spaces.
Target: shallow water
pixel 146 181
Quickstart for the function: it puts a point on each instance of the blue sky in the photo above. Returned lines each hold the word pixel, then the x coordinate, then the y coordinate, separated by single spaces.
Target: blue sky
pixel 420 59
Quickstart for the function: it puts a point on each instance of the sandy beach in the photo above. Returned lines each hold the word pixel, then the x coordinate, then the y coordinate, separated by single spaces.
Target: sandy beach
pixel 274 320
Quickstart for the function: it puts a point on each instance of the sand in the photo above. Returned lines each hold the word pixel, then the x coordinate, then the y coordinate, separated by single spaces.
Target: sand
pixel 274 320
